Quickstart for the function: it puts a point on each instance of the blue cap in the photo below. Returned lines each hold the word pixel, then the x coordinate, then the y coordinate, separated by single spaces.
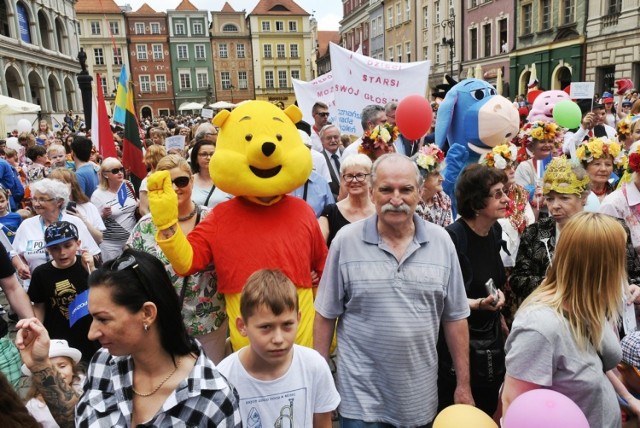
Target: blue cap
pixel 607 95
pixel 627 103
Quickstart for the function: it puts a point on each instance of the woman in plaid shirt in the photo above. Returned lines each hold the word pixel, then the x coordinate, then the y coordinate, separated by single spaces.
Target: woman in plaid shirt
pixel 149 372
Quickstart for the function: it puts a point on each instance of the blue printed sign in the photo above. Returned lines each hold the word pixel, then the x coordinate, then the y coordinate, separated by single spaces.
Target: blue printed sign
pixel 122 194
pixel 79 307
pixel 23 23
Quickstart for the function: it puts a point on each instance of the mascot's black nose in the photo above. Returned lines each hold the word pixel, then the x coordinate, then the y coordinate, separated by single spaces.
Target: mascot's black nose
pixel 268 149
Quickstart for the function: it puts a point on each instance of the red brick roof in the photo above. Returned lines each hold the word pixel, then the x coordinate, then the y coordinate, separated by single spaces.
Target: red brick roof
pixel 145 9
pixel 324 37
pixel 97 6
pixel 186 5
pixel 278 7
pixel 227 8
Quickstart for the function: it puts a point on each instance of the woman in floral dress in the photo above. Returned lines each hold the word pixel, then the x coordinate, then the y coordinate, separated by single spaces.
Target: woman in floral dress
pixel 203 307
pixel 434 205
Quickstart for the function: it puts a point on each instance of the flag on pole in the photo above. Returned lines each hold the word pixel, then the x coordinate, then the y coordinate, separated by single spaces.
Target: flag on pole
pixel 132 156
pixel 120 110
pixel 102 136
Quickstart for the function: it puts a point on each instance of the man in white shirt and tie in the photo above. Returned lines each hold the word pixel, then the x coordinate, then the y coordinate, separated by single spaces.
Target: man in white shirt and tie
pixel 330 138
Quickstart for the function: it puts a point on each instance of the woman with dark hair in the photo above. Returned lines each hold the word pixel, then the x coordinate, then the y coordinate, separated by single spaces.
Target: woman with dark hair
pixel 477 235
pixel 205 192
pixel 14 413
pixel 149 371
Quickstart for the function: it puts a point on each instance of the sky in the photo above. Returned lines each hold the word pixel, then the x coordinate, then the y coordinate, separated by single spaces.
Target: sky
pixel 328 13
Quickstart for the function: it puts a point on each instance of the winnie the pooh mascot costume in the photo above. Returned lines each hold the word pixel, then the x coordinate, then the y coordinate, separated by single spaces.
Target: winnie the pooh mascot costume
pixel 259 158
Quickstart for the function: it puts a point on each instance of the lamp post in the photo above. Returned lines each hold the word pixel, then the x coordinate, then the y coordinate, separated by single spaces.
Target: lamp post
pixel 231 87
pixel 209 99
pixel 451 23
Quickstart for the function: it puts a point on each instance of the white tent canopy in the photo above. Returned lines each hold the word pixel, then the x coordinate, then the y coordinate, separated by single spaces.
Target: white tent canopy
pixel 10 105
pixel 222 104
pixel 190 106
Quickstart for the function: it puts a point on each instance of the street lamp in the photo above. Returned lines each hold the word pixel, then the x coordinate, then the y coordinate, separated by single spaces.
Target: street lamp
pixel 451 23
pixel 231 87
pixel 209 99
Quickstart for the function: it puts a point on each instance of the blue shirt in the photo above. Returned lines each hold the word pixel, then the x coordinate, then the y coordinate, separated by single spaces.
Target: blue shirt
pixel 318 193
pixel 87 179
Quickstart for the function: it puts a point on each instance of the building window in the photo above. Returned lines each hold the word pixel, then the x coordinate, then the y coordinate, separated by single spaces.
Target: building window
pixel 280 50
pixel 425 52
pixel 389 17
pixel 436 49
pixel 293 48
pixel 282 79
pixel 473 47
pixel 545 14
pixel 145 83
pixel 185 80
pixel 95 28
pixel 268 79
pixel 225 79
pixel 223 51
pixel 436 9
pixel 407 10
pixel 197 28
pixel 295 74
pixel 279 26
pixel 243 83
pixel 155 28
pixel 203 79
pixel 486 30
pixel 200 53
pixel 503 35
pixel 526 18
pixel 229 28
pixel 240 50
pixel 398 13
pixel 390 57
pixel 141 50
pixel 103 83
pixel 374 28
pixel 157 52
pixel 161 83
pixel 614 6
pixel 98 56
pixel 180 29
pixel 266 49
pixel 183 53
pixel 293 26
pixel 266 25
pixel 407 50
pixel 139 28
pixel 473 3
pixel 567 11
pixel 425 17
pixel 399 52
pixel 117 56
pixel 114 27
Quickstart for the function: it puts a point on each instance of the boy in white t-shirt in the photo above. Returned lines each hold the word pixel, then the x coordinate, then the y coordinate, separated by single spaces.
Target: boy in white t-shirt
pixel 279 383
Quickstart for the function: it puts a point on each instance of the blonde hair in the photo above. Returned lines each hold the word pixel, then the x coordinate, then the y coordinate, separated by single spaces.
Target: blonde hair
pixel 58 148
pixel 174 161
pixel 634 125
pixel 153 155
pixel 106 165
pixel 585 281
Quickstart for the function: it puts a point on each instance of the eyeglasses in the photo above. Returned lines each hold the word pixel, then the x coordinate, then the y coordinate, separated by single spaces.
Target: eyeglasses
pixel 181 182
pixel 115 171
pixel 205 154
pixel 323 114
pixel 210 134
pixel 128 261
pixel 498 194
pixel 358 177
pixel 42 200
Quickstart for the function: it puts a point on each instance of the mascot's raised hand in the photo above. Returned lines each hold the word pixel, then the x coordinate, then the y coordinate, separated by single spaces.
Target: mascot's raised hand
pixel 163 201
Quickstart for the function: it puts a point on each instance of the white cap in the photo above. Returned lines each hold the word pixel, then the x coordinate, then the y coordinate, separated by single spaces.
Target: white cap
pixel 58 348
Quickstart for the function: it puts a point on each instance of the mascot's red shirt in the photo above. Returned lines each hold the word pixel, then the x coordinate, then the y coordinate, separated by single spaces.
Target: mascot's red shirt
pixel 246 237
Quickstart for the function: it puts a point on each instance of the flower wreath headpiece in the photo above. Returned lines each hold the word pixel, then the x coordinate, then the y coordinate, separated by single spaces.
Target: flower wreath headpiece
pixel 429 159
pixel 634 158
pixel 624 126
pixel 540 130
pixel 501 156
pixel 597 148
pixel 559 177
pixel 379 141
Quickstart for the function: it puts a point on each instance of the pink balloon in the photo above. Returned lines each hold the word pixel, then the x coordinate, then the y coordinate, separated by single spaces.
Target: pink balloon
pixel 544 408
pixel 414 116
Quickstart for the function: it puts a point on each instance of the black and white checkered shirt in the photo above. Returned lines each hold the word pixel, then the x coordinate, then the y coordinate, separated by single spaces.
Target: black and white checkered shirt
pixel 204 399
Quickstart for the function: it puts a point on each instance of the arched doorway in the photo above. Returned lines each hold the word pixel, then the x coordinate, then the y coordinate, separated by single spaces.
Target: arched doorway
pixel 146 113
pixel 15 84
pixel 523 82
pixel 5 28
pixel 70 92
pixel 561 77
pixel 24 22
pixel 37 89
pixel 61 36
pixel 54 94
pixel 43 28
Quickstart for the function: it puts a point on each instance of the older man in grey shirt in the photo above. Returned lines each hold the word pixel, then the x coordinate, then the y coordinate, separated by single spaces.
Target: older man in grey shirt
pixel 390 280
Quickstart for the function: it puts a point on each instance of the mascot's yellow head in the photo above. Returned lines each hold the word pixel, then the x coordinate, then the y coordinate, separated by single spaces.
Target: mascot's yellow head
pixel 259 153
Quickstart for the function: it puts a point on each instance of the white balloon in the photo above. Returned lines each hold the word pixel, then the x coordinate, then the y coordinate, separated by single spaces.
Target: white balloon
pixel 24 125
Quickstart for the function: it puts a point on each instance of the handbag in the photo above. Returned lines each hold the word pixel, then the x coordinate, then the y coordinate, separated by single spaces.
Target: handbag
pixel 486 352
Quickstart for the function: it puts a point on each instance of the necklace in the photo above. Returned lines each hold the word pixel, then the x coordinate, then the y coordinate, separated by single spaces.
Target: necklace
pixel 161 383
pixel 190 215
pixel 600 192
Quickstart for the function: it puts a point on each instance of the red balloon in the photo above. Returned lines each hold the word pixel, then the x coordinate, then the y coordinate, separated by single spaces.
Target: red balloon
pixel 414 116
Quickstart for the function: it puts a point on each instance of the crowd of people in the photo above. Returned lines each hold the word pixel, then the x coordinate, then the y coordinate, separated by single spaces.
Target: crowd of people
pixel 531 284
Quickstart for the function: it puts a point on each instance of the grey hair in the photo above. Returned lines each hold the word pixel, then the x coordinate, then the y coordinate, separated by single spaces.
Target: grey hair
pixel 356 160
pixel 390 106
pixel 395 158
pixel 369 114
pixel 53 188
pixel 327 126
pixel 204 128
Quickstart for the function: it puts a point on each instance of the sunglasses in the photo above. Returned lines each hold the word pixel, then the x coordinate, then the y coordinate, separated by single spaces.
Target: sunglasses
pixel 498 194
pixel 128 261
pixel 323 114
pixel 181 182
pixel 115 171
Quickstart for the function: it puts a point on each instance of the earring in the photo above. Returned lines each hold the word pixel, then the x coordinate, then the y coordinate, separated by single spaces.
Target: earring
pixel 146 328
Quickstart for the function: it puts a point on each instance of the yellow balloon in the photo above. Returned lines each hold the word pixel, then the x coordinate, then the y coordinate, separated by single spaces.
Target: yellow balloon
pixel 463 415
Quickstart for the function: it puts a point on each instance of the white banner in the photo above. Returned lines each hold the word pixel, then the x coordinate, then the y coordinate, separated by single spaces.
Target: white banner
pixel 581 90
pixel 309 93
pixel 359 81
